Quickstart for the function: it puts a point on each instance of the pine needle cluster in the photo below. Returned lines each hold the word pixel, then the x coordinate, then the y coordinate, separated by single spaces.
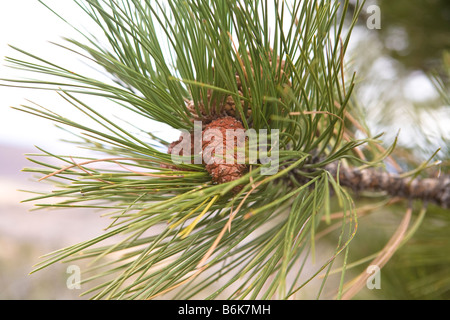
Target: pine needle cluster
pixel 175 231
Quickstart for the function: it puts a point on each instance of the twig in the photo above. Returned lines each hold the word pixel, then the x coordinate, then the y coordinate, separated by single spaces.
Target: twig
pixel 435 190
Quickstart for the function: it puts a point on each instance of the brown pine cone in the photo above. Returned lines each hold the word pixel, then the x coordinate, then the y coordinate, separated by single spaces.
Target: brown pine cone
pixel 169 151
pixel 214 137
pixel 219 169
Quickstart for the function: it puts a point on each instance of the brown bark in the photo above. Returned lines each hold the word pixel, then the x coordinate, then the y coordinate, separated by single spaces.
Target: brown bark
pixel 428 190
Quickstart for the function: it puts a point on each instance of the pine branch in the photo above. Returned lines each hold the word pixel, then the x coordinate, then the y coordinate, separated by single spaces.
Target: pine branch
pixel 428 190
pixel 434 190
pixel 222 59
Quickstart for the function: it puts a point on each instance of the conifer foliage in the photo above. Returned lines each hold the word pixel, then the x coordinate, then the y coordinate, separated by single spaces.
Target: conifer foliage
pixel 214 230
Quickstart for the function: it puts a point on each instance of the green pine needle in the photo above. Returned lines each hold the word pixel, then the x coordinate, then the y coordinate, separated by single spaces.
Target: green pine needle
pixel 174 232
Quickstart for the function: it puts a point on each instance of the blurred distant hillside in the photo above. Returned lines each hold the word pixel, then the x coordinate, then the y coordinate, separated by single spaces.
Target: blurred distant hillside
pixel 26 235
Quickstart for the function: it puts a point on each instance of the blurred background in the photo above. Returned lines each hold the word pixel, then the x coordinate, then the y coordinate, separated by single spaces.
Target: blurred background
pixel 394 66
pixel 24 236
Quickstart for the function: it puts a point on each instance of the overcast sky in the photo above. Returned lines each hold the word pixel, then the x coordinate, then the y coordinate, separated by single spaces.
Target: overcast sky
pixel 27 24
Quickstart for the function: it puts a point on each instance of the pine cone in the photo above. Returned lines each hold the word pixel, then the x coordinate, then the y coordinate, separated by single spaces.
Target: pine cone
pixel 219 169
pixel 216 165
pixel 170 149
